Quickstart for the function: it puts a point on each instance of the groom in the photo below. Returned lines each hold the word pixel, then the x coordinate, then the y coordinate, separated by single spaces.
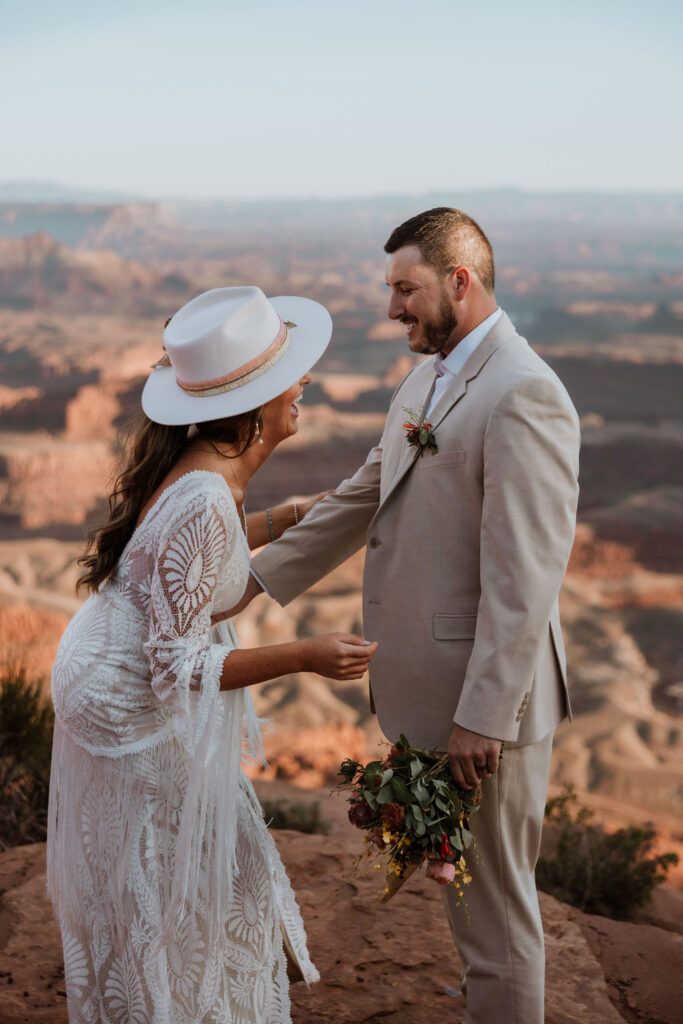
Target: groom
pixel 466 551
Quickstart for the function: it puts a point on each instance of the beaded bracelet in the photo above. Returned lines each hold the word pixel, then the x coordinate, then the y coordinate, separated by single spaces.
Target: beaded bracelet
pixel 296 514
pixel 269 517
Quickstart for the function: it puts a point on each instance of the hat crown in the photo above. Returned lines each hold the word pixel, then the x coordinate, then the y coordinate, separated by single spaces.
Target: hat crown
pixel 232 350
pixel 220 332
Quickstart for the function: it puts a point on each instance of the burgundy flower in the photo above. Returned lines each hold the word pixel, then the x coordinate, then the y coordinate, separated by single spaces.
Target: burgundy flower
pixel 390 760
pixel 420 434
pixel 378 838
pixel 446 848
pixel 393 815
pixel 360 813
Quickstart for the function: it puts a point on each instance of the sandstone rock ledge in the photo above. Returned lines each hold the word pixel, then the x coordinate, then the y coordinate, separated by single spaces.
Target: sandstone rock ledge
pixel 392 964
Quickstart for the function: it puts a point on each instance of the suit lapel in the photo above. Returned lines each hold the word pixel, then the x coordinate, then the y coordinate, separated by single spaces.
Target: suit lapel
pixel 417 399
pixel 499 334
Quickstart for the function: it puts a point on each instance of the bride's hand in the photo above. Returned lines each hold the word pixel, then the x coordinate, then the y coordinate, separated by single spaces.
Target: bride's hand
pixel 338 655
pixel 305 505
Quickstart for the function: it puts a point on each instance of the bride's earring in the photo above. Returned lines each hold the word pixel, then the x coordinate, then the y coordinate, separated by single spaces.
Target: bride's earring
pixel 258 433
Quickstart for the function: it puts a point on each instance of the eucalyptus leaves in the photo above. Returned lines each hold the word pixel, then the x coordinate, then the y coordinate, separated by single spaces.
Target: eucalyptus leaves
pixel 412 811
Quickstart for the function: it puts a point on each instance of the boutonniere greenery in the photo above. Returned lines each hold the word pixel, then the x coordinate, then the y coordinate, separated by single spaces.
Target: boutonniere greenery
pixel 420 433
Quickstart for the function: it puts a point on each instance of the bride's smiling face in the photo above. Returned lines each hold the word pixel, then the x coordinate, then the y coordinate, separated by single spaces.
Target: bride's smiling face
pixel 280 416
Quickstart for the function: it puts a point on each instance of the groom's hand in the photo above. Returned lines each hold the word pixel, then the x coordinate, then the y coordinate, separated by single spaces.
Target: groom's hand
pixel 472 757
pixel 306 504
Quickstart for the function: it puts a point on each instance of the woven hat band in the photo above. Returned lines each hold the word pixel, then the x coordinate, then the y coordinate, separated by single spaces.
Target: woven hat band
pixel 243 374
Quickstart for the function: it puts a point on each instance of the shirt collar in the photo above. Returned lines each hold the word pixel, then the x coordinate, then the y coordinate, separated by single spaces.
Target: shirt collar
pixel 455 360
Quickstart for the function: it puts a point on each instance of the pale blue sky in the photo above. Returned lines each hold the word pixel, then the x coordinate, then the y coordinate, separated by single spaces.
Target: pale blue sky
pixel 308 97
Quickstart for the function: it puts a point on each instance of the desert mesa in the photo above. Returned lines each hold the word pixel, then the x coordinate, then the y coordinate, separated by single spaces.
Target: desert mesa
pixel 593 283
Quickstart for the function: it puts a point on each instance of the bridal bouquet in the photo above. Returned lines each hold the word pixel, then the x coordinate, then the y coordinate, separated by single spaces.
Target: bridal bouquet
pixel 413 812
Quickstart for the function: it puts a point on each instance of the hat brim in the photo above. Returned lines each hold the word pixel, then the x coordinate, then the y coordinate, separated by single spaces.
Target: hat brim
pixel 164 401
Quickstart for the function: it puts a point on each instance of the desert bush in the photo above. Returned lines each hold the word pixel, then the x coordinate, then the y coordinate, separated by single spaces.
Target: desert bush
pixel 26 725
pixel 300 817
pixel 599 872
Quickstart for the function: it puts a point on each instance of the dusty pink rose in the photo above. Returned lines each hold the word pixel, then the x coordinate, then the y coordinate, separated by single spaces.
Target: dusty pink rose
pixel 393 815
pixel 441 871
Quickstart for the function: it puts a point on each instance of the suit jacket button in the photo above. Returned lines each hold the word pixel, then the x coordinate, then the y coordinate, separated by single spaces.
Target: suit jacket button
pixel 375 542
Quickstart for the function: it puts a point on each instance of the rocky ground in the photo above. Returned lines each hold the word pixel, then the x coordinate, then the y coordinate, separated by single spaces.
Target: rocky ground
pixel 393 963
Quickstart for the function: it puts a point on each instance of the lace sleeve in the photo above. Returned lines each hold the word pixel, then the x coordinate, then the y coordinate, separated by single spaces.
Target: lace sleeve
pixel 197 548
pixel 192 553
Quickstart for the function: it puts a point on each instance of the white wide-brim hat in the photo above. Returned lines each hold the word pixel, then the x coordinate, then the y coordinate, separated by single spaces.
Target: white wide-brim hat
pixel 231 350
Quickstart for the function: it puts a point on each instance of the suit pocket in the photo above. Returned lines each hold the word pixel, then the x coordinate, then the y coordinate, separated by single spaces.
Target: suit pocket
pixel 442 459
pixel 454 627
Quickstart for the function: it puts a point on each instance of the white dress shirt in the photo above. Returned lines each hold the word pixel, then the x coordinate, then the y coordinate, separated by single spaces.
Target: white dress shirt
pixel 446 369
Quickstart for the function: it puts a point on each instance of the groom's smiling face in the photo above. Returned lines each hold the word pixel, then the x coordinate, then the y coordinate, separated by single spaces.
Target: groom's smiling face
pixel 420 301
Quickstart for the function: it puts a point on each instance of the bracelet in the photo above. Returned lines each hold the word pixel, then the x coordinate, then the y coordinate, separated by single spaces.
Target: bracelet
pixel 269 517
pixel 296 514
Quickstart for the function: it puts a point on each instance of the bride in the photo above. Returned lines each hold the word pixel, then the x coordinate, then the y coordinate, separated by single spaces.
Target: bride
pixel 173 903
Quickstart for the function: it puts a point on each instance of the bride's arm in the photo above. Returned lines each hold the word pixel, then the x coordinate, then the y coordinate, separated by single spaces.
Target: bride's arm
pixel 262 527
pixel 334 655
pixel 259 524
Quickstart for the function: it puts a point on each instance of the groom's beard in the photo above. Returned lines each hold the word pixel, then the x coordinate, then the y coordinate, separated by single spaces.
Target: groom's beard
pixel 436 333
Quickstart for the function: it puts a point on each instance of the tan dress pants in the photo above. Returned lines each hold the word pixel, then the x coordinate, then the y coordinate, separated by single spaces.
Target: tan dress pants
pixel 502 948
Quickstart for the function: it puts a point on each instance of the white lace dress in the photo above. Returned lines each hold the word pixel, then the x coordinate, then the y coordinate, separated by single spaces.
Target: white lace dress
pixel 171 897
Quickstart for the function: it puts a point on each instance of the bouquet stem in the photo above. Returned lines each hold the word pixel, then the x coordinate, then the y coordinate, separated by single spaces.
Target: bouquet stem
pixel 394 882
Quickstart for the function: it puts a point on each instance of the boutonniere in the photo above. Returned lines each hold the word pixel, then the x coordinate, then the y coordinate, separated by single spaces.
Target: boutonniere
pixel 420 433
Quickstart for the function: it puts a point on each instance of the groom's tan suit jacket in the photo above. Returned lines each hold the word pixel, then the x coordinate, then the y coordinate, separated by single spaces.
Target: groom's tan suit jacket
pixel 466 549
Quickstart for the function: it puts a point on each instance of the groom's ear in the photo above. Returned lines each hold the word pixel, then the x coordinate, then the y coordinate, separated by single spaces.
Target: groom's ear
pixel 458 282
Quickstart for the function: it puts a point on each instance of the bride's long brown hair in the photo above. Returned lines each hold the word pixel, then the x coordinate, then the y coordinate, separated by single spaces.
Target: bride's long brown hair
pixel 150 452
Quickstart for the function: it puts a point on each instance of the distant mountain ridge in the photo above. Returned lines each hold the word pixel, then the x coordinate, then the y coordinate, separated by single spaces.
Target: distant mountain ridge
pixel 507 205
pixel 44 191
pixel 128 226
pixel 29 191
pixel 586 231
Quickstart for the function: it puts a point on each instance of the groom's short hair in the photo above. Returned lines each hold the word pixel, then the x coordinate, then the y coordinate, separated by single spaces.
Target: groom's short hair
pixel 447 238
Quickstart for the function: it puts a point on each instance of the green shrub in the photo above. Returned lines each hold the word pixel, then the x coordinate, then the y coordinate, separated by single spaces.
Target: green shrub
pixel 26 725
pixel 598 872
pixel 300 817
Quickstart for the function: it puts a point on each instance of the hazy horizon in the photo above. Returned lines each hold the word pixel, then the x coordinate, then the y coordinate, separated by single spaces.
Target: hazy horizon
pixel 37 190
